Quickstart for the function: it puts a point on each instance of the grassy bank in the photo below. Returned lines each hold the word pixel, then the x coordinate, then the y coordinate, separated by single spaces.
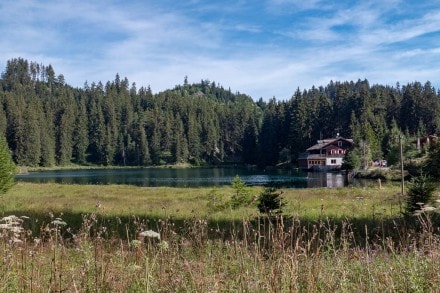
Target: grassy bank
pixel 89 238
pixel 123 200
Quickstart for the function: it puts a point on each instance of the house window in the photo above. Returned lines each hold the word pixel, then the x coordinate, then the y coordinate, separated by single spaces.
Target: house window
pixel 333 162
pixel 339 143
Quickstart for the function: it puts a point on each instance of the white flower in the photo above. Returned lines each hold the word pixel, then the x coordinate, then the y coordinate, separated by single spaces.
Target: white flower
pixel 58 222
pixel 150 234
pixel 16 229
pixel 428 209
pixel 13 220
pixel 17 241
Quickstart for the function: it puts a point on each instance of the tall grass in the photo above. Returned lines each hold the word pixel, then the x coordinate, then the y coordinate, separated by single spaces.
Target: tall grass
pixel 263 255
pixel 124 239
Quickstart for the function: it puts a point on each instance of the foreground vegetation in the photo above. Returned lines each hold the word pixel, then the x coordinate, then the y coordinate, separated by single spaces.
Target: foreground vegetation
pixel 163 202
pixel 121 238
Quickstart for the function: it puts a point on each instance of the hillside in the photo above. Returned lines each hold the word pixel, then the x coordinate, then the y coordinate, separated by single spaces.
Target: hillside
pixel 47 122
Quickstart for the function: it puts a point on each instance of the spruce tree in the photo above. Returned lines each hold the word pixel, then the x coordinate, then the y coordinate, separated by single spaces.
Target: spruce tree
pixel 7 167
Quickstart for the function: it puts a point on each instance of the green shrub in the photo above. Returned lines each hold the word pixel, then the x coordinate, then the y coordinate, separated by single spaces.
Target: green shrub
pixel 242 195
pixel 270 201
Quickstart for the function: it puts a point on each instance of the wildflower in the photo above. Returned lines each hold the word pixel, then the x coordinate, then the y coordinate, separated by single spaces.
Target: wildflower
pixel 58 222
pixel 428 209
pixel 16 229
pixel 12 220
pixel 17 241
pixel 164 245
pixel 135 243
pixel 134 267
pixel 150 234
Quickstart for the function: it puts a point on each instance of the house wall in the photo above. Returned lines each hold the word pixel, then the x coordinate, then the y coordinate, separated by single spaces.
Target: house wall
pixel 335 151
pixel 333 161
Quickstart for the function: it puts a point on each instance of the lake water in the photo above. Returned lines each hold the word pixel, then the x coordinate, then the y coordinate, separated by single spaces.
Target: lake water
pixel 189 177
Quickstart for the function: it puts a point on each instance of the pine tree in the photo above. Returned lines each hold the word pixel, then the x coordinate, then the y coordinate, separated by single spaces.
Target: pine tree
pixel 194 138
pixel 3 121
pixel 80 137
pixel 7 167
pixel 270 201
pixel 143 149
pixel 32 140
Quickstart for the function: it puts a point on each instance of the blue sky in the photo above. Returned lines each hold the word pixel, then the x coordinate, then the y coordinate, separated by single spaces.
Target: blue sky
pixel 266 48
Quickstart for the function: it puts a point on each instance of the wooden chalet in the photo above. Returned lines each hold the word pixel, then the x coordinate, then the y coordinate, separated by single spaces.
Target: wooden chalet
pixel 326 155
pixel 424 141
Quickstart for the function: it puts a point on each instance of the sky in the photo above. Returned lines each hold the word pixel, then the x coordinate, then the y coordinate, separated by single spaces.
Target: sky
pixel 265 48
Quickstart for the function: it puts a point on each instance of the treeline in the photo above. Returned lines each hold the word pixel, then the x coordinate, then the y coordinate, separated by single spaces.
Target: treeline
pixel 47 122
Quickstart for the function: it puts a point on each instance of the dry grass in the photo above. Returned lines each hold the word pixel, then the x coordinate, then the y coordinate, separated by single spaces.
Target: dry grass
pixel 267 256
pixel 329 240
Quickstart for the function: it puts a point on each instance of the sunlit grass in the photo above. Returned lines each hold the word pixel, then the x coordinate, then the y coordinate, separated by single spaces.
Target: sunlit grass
pixel 125 200
pixel 113 238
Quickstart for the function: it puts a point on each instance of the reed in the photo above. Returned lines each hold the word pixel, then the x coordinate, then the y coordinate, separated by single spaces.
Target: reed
pixel 92 249
pixel 276 254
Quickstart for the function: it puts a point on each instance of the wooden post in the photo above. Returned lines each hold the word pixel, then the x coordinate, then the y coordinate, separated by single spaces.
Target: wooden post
pixel 402 177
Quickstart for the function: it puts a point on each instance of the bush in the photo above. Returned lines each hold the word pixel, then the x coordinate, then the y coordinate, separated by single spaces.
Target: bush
pixel 270 201
pixel 7 167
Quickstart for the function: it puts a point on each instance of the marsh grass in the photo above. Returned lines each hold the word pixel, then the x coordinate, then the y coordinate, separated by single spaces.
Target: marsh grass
pixel 103 249
pixel 263 255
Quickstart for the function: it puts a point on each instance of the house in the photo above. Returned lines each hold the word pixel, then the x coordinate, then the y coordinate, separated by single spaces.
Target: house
pixel 327 154
pixel 425 141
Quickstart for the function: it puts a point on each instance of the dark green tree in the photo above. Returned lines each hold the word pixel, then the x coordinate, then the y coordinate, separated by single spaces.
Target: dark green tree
pixel 7 167
pixel 352 160
pixel 419 194
pixel 432 166
pixel 32 139
pixel 64 122
pixel 143 149
pixel 3 121
pixel 80 136
pixel 270 201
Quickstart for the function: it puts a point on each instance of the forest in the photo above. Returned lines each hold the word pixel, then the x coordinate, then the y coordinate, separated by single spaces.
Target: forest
pixel 47 122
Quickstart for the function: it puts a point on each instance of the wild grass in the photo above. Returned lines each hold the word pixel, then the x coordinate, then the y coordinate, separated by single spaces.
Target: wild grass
pixel 316 246
pixel 161 202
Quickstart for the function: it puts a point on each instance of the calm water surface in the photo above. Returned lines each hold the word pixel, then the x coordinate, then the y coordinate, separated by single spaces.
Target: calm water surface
pixel 190 177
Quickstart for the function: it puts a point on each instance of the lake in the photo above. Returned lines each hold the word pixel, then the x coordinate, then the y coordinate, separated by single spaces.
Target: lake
pixel 189 177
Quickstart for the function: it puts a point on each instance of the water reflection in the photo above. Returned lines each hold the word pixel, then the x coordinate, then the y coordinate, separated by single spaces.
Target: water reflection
pixel 331 180
pixel 192 177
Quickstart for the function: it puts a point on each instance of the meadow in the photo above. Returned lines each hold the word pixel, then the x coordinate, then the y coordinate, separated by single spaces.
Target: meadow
pixel 113 238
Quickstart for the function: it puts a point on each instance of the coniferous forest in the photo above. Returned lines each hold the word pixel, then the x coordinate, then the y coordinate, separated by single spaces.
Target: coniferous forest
pixel 47 122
